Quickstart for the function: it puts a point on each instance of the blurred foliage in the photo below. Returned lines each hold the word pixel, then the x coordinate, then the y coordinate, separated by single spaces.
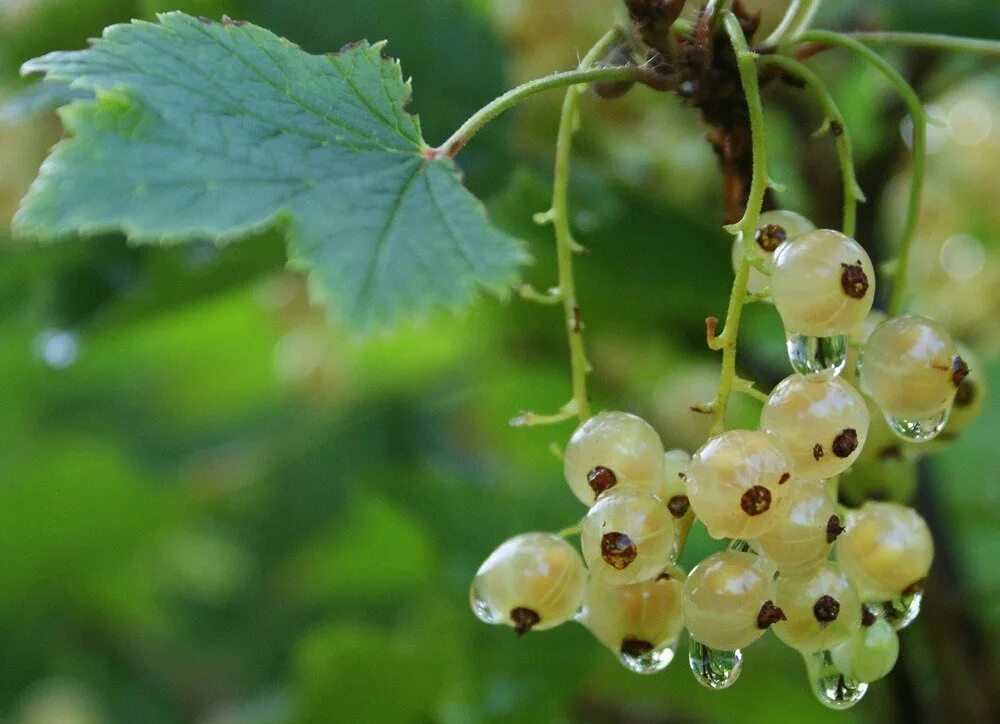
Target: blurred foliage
pixel 216 507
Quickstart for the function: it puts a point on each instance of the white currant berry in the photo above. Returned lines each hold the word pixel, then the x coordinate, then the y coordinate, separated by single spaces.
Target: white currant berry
pixel 639 618
pixel 822 284
pixel 675 466
pixel 738 484
pixel 613 448
pixel 773 229
pixel 823 424
pixel 533 581
pixel 821 609
pixel 911 368
pixel 886 551
pixel 729 600
pixel 870 653
pixel 627 536
pixel 802 539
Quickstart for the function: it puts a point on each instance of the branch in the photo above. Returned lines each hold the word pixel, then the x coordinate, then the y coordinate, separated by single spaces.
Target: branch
pixel 989 48
pixel 919 117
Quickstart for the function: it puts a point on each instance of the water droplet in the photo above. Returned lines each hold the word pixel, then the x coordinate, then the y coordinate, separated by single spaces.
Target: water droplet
pixel 918 430
pixel 58 348
pixel 823 356
pixel 901 612
pixel 480 606
pixel 831 687
pixel 652 661
pixel 714 668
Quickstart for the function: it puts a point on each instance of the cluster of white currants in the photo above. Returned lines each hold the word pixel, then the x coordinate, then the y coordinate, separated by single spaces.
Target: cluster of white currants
pixel 771 491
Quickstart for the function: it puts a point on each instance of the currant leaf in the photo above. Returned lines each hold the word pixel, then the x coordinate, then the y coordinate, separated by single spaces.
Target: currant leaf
pixel 219 130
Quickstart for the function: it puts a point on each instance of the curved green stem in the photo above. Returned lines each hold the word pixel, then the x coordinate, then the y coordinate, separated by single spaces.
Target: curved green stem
pixel 799 14
pixel 746 226
pixel 586 73
pixel 934 41
pixel 919 118
pixel 835 124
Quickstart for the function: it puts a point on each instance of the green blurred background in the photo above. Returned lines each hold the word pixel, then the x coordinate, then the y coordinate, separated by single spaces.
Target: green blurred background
pixel 216 506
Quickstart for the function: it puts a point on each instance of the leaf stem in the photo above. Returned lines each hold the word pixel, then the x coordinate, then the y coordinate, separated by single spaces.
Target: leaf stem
pixel 919 117
pixel 799 14
pixel 586 73
pixel 930 40
pixel 746 226
pixel 834 124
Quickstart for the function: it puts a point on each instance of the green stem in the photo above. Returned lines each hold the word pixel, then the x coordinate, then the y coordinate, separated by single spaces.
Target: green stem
pixel 559 216
pixel 835 124
pixel 919 118
pixel 586 73
pixel 799 14
pixel 746 226
pixel 930 40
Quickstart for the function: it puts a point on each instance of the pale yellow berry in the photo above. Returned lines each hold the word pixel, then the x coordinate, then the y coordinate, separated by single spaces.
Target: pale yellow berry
pixel 886 551
pixel 821 609
pixel 823 424
pixel 636 618
pixel 728 600
pixel 773 229
pixel 911 367
pixel 802 539
pixel 613 448
pixel 532 581
pixel 738 484
pixel 627 536
pixel 822 283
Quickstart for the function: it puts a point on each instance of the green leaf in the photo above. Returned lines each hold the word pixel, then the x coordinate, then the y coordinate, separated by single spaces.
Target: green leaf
pixel 220 130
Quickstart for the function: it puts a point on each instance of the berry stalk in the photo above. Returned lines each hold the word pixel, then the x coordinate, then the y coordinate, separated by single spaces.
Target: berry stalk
pixel 726 341
pixel 919 118
pixel 834 124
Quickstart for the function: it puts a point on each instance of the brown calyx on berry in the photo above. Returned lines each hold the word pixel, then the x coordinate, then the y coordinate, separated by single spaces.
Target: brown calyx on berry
pixel 965 394
pixel 770 236
pixel 853 280
pixel 635 648
pixel 756 500
pixel 679 505
pixel 845 443
pixel 600 479
pixel 826 609
pixel 524 619
pixel 959 371
pixel 867 617
pixel 817 451
pixel 618 550
pixel 769 614
pixel 833 528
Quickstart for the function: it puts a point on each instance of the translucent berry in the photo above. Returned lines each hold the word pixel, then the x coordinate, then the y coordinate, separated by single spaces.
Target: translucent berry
pixel 613 448
pixel 532 581
pixel 823 284
pixel 821 609
pixel 911 369
pixel 627 536
pixel 823 424
pixel 640 621
pixel 886 551
pixel 802 539
pixel 773 229
pixel 729 600
pixel 675 467
pixel 738 484
pixel 869 654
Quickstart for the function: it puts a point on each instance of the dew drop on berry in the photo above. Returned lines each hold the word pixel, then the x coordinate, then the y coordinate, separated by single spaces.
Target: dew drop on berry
pixel 833 688
pixel 918 430
pixel 640 657
pixel 822 356
pixel 714 668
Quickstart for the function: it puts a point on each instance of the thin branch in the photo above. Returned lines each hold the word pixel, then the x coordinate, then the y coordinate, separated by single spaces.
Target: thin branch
pixel 919 117
pixel 983 46
pixel 834 124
